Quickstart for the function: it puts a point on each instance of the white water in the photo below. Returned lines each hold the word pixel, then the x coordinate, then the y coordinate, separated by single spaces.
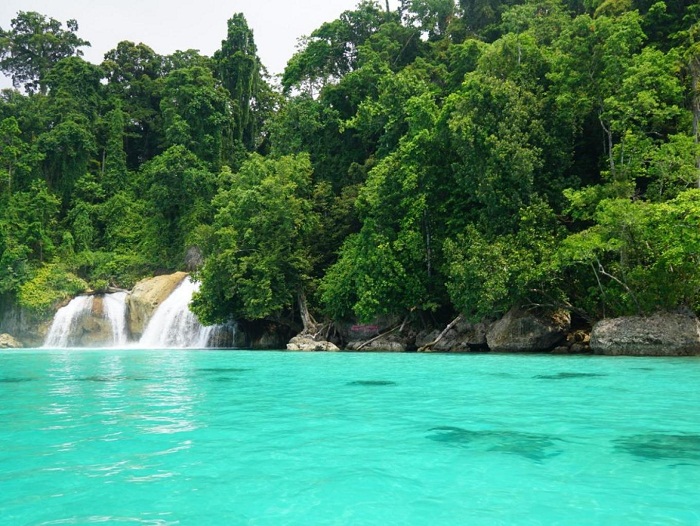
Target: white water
pixel 114 306
pixel 65 320
pixel 173 324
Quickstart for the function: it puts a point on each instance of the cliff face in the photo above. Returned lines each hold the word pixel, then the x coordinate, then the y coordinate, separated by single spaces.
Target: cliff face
pixel 30 329
pixel 144 299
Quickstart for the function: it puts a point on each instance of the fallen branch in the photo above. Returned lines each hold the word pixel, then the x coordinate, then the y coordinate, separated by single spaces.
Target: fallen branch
pixel 377 337
pixel 441 335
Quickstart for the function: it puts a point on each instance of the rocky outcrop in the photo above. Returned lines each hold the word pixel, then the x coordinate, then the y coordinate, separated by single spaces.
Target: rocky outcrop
pixel 662 334
pixel 9 342
pixel 463 336
pixel 145 297
pixel 525 331
pixel 28 327
pixel 304 342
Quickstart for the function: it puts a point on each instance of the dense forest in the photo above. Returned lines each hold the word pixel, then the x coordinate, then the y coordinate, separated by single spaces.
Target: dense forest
pixel 439 159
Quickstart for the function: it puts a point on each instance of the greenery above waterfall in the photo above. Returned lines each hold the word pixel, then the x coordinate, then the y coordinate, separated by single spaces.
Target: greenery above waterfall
pixel 440 159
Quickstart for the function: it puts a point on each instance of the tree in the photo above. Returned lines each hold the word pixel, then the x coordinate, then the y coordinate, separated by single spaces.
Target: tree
pixel 331 51
pixel 177 188
pixel 133 72
pixel 260 263
pixel 195 113
pixel 34 45
pixel 238 67
pixel 17 158
pixel 639 257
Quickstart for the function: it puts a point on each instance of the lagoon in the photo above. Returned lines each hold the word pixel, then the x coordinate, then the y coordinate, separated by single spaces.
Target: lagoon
pixel 186 437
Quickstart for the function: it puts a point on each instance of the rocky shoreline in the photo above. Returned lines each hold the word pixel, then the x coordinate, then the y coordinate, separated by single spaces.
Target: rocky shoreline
pixel 520 330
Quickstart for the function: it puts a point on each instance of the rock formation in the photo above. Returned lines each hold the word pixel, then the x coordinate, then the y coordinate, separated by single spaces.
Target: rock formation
pixel 524 331
pixel 145 297
pixel 9 342
pixel 662 334
pixel 304 342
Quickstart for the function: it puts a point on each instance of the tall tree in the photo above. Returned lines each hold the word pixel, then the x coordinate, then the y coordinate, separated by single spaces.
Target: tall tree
pixel 33 45
pixel 238 67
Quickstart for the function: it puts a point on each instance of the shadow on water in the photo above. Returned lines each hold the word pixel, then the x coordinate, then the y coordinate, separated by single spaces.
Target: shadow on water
pixel 110 379
pixel 566 376
pixel 15 380
pixel 371 382
pixel 224 379
pixel 222 370
pixel 529 445
pixel 660 446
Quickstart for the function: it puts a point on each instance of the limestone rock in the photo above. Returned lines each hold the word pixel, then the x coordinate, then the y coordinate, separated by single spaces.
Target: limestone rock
pixel 307 343
pixel 662 334
pixel 524 331
pixel 9 342
pixel 145 297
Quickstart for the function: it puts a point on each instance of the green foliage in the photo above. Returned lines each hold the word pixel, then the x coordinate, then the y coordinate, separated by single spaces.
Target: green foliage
pixel 34 45
pixel 446 156
pixel 195 113
pixel 639 256
pixel 49 286
pixel 178 189
pixel 264 226
pixel 486 275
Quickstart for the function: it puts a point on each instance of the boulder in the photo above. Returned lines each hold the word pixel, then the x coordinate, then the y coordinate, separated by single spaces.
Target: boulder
pixel 662 334
pixel 9 342
pixel 525 331
pixel 308 343
pixel 145 297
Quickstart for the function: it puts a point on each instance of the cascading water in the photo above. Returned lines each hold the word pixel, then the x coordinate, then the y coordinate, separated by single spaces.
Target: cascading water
pixel 173 324
pixel 65 320
pixel 114 306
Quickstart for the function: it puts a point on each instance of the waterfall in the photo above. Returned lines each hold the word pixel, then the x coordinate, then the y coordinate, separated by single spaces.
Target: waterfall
pixel 66 319
pixel 115 310
pixel 173 324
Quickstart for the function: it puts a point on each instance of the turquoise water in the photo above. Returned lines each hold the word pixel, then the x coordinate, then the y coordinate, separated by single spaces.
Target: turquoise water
pixel 267 438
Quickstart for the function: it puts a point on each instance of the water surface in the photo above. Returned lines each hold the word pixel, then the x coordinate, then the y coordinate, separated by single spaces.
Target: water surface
pixel 213 437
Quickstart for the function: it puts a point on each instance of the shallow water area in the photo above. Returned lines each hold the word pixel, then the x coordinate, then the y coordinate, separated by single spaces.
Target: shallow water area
pixel 236 437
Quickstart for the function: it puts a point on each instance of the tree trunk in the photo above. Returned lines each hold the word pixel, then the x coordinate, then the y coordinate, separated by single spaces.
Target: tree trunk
pixel 608 136
pixel 441 335
pixel 306 318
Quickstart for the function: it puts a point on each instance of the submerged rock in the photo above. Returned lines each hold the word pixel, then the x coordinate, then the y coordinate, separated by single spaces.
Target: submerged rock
pixel 525 331
pixel 662 334
pixel 308 343
pixel 532 446
pixel 7 341
pixel 145 298
pixel 660 446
